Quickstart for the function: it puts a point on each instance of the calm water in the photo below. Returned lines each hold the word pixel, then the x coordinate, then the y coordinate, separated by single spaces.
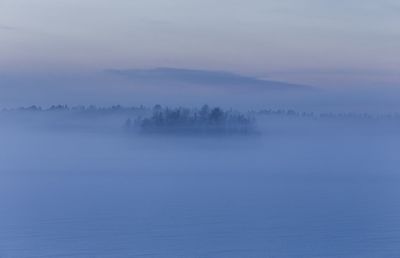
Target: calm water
pixel 296 193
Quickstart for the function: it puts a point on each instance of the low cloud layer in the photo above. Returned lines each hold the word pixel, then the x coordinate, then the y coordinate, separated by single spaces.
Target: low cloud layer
pixel 204 78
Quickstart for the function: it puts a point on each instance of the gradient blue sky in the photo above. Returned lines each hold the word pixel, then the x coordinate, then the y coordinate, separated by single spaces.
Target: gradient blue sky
pixel 307 41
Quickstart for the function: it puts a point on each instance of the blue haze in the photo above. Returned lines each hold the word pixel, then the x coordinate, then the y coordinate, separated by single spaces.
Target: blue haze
pixel 80 187
pixel 75 183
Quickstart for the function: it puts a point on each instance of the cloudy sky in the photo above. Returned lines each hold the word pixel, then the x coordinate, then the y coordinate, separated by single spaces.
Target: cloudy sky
pixel 317 42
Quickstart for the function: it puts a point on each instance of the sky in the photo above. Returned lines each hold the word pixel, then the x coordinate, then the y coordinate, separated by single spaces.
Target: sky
pixel 317 42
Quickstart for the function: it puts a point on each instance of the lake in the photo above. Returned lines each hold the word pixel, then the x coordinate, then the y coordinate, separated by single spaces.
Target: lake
pixel 300 189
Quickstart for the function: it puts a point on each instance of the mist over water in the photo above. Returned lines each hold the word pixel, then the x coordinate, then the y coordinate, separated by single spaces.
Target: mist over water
pixel 174 87
pixel 80 186
pixel 108 151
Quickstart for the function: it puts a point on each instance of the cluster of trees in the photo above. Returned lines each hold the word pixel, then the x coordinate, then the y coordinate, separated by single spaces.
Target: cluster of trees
pixel 186 120
pixel 216 114
pixel 204 120
pixel 330 115
pixel 283 112
pixel 81 108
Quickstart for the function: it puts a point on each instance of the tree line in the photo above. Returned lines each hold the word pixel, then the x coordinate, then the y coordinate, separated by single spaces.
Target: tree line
pixel 203 120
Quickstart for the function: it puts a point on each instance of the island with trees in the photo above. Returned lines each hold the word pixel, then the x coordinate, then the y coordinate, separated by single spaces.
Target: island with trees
pixel 205 120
